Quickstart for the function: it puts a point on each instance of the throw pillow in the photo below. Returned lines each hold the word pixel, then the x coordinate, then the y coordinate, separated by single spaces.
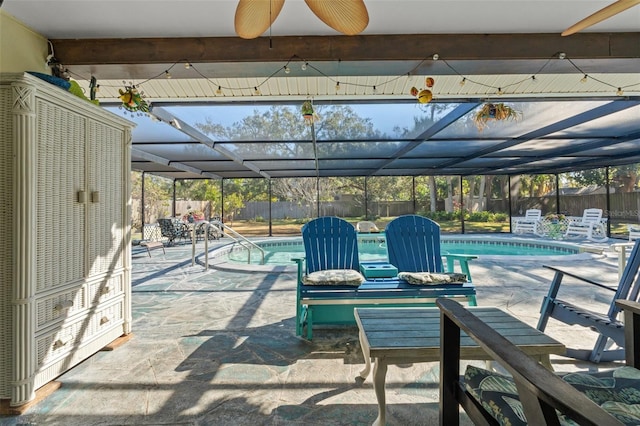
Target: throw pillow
pixel 432 278
pixel 334 277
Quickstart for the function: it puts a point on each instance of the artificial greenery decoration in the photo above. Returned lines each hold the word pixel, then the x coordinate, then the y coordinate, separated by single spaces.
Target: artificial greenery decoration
pixel 491 111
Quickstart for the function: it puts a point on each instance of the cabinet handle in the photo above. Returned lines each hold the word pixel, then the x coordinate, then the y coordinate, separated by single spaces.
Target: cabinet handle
pixel 65 304
pixel 82 197
pixel 62 341
pixel 95 197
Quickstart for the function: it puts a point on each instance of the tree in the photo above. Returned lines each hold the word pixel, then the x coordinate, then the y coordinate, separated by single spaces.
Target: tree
pixel 283 123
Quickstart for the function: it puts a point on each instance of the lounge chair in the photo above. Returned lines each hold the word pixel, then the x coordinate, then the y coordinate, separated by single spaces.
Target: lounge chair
pixel 590 225
pixel 413 245
pixel 606 324
pixel 366 226
pixel 173 229
pixel 530 223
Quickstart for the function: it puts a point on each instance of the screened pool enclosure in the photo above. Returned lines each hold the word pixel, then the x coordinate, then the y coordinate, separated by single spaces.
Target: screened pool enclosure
pixel 263 162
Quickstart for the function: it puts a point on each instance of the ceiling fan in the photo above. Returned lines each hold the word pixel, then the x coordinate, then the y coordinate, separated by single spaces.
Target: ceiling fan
pixel 601 15
pixel 254 17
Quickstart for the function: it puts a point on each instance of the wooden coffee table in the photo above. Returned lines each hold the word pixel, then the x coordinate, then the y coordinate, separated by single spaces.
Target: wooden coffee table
pixel 410 335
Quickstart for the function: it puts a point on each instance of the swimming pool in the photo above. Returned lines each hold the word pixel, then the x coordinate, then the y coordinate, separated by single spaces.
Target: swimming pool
pixel 281 251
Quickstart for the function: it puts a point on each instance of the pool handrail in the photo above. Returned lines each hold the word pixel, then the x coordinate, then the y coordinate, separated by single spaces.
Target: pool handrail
pixel 239 240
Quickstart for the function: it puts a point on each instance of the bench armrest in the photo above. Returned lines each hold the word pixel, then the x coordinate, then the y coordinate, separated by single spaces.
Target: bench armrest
pixel 300 262
pixel 541 392
pixel 463 260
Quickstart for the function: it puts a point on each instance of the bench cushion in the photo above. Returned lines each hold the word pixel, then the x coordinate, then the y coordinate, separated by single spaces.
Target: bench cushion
pixel 431 278
pixel 617 391
pixel 347 277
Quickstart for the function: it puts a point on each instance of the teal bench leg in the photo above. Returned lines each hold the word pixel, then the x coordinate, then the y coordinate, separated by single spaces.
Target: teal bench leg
pixel 309 323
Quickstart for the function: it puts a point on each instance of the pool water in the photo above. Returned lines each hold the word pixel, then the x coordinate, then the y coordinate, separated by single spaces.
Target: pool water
pixel 283 252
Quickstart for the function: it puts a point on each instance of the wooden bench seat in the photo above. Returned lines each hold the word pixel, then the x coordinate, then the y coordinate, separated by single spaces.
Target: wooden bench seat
pixel 531 390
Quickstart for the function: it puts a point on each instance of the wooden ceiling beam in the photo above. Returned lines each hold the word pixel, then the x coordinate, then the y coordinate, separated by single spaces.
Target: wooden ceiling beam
pixel 458 47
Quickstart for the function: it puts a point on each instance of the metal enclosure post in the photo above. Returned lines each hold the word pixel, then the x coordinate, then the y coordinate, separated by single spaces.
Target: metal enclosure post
pixel 142 203
pixel 270 222
pixel 366 198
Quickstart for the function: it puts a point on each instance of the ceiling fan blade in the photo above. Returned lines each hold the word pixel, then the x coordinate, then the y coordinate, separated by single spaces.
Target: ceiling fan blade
pixel 349 17
pixel 601 15
pixel 254 17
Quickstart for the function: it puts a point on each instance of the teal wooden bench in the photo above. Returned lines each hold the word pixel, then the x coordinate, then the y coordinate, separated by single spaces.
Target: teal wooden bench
pixel 333 305
pixel 331 244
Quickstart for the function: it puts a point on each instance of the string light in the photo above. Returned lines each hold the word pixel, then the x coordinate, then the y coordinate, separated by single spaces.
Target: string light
pixel 305 64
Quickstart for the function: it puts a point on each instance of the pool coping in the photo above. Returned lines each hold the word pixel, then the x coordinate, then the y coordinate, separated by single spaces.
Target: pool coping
pixel 218 254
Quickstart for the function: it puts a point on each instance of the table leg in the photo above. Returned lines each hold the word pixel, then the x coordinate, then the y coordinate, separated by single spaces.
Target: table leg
pixel 367 358
pixel 379 377
pixel 546 361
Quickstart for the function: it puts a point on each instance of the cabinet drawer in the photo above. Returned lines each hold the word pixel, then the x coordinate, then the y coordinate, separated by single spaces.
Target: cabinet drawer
pixel 106 289
pixel 107 317
pixel 58 343
pixel 52 308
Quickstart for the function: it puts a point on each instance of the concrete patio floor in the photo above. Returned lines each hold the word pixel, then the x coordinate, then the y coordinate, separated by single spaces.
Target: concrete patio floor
pixel 219 348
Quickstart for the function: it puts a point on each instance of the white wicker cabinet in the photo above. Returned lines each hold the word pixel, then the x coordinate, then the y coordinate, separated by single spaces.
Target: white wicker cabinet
pixel 65 282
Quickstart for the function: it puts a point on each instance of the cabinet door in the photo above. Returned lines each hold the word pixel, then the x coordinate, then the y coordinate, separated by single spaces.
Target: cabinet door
pixel 106 208
pixel 60 177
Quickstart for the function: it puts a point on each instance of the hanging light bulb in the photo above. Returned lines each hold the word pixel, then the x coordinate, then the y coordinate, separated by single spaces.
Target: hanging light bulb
pixel 619 92
pixel 303 67
pixel 500 92
pixel 533 79
pixel 256 91
pixel 219 90
pixel 287 70
pixel 435 56
pixel 375 91
pixel 463 81
pixel 187 65
pixel 584 79
pixel 562 55
pixel 337 86
pixel 167 74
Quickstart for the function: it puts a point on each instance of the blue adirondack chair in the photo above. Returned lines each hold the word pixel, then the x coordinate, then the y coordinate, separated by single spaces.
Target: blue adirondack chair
pixel 606 324
pixel 413 245
pixel 330 243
